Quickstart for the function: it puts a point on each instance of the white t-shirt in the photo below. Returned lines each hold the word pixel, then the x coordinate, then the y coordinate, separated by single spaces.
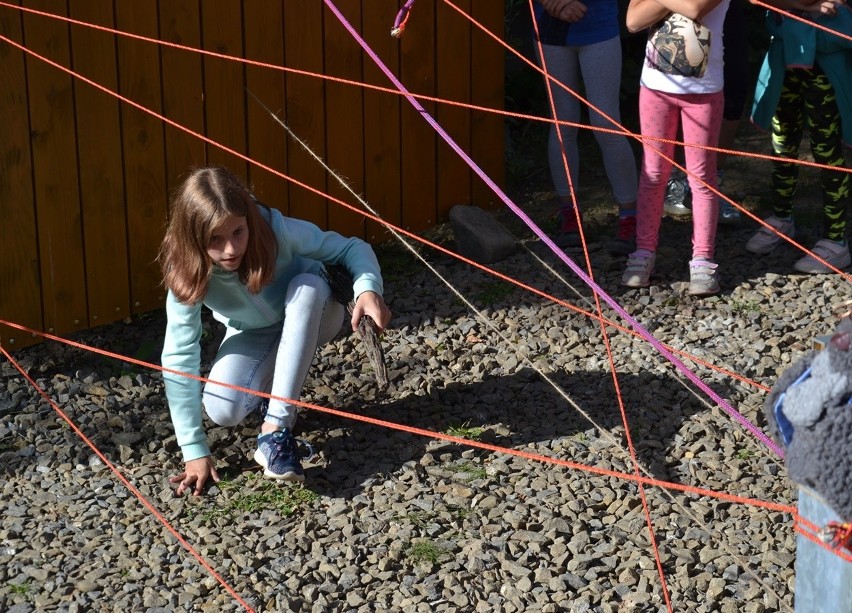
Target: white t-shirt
pixel 684 56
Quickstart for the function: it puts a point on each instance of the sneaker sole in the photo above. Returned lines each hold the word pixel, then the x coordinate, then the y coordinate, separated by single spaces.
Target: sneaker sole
pixel 289 476
pixel 703 291
pixel 812 267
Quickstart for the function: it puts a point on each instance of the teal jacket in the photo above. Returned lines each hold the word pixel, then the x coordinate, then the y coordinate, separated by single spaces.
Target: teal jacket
pixel 800 45
pixel 302 247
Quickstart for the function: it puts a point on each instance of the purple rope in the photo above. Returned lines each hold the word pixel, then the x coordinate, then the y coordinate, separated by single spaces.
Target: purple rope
pixel 401 17
pixel 547 241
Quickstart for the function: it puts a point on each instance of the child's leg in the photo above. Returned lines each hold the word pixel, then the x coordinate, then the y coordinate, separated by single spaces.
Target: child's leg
pixel 786 138
pixel 245 359
pixel 658 117
pixel 701 115
pixel 561 62
pixel 311 317
pixel 601 67
pixel 823 119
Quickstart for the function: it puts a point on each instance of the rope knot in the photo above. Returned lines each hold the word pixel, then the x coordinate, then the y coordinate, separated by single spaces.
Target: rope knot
pixel 837 534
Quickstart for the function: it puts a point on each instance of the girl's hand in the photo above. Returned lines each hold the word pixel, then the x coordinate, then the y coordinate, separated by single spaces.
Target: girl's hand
pixel 824 7
pixel 566 10
pixel 195 474
pixel 370 303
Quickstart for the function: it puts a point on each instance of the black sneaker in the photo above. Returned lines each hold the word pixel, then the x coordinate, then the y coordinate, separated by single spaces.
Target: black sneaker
pixel 279 455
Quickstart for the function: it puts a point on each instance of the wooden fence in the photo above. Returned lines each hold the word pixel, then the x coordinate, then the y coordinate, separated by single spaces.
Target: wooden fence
pixel 85 177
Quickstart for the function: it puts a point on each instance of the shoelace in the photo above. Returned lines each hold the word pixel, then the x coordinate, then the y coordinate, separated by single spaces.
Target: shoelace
pixel 290 445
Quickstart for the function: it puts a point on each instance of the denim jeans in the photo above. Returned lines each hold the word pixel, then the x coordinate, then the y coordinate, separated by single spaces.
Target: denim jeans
pixel 823 579
pixel 275 359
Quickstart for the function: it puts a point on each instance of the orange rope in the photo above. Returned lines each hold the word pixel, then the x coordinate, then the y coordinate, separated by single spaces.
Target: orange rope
pixel 688 489
pixel 616 386
pixel 375 218
pixel 805 20
pixel 604 322
pixel 812 532
pixel 643 140
pixel 423 97
pixel 139 495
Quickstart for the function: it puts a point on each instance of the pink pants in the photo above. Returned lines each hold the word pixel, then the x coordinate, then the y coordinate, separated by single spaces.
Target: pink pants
pixel 701 117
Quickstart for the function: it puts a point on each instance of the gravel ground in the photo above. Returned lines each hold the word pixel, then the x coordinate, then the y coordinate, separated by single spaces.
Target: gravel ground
pixel 394 521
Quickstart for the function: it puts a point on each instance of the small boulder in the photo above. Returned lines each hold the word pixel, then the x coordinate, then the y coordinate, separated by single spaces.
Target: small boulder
pixel 479 236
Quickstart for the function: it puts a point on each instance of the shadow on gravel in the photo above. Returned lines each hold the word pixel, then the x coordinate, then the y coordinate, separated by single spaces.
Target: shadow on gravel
pixel 520 411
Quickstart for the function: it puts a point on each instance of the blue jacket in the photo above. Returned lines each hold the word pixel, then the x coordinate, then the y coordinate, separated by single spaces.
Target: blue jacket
pixel 302 247
pixel 800 45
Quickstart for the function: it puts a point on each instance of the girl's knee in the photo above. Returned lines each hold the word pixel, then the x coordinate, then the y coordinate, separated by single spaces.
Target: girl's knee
pixel 308 287
pixel 227 412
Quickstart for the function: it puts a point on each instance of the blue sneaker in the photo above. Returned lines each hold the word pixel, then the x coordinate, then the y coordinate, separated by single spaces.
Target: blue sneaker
pixel 279 455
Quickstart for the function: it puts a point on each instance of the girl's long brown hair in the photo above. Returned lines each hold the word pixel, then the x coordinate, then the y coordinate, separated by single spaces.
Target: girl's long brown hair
pixel 207 197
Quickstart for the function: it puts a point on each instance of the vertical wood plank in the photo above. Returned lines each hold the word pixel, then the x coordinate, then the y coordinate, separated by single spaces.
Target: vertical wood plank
pixel 419 144
pixel 20 298
pixel 144 152
pixel 224 83
pixel 267 140
pixel 57 190
pixel 454 68
pixel 487 90
pixel 344 119
pixel 382 141
pixel 183 88
pixel 305 111
pixel 101 174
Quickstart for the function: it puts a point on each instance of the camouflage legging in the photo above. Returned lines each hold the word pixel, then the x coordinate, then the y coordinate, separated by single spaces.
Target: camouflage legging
pixel 808 96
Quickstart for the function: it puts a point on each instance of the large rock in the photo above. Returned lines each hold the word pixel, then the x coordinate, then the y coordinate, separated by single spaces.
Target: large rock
pixel 479 236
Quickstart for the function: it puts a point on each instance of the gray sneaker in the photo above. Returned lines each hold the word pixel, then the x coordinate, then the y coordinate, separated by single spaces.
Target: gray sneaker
pixel 831 251
pixel 640 265
pixel 766 239
pixel 703 278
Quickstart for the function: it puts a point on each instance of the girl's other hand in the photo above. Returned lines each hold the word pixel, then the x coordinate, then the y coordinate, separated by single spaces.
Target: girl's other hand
pixel 195 475
pixel 566 10
pixel 370 303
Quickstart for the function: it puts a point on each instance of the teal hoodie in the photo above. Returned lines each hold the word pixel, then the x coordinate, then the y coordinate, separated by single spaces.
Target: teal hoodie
pixel 302 247
pixel 796 44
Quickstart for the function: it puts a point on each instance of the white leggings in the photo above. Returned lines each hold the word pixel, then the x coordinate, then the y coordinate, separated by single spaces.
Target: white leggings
pixel 276 359
pixel 600 67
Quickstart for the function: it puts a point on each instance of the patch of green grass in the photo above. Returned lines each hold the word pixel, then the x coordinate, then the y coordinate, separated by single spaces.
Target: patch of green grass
pixel 427 552
pixel 257 494
pixel 421 519
pixel 745 454
pixel 21 589
pixel 744 306
pixel 672 302
pixel 474 471
pixel 491 293
pixel 467 431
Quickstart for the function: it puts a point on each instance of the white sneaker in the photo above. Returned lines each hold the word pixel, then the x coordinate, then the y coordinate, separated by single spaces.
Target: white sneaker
pixel 832 252
pixel 765 240
pixel 640 265
pixel 703 278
